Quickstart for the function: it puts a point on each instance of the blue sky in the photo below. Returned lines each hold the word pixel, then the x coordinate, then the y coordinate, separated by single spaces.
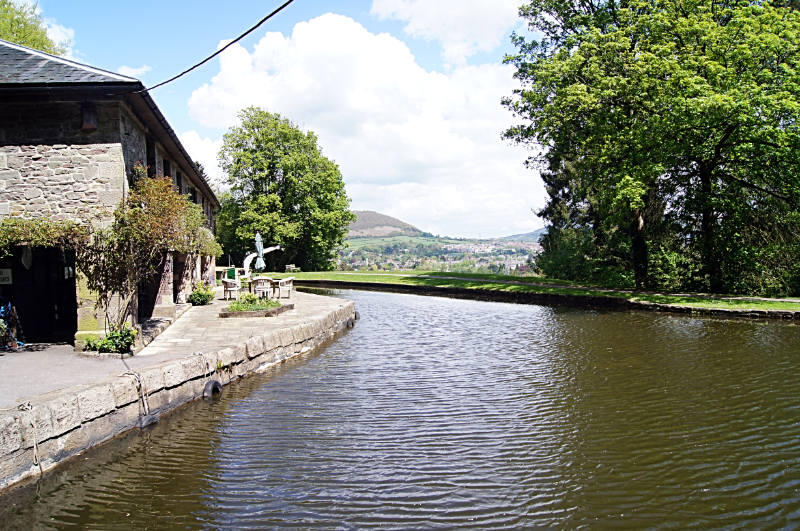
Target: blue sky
pixel 404 94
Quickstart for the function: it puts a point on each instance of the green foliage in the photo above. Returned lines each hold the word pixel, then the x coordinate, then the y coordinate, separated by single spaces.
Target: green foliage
pixel 40 232
pixel 201 295
pixel 116 341
pixel 153 219
pixel 284 188
pixel 20 24
pixel 669 132
pixel 115 259
pixel 252 304
pixel 249 298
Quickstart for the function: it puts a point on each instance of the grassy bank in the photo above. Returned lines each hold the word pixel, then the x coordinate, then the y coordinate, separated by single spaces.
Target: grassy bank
pixel 540 285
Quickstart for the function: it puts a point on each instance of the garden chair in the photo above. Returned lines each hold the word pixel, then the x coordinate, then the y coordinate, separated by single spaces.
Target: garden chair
pixel 262 286
pixel 232 287
pixel 278 286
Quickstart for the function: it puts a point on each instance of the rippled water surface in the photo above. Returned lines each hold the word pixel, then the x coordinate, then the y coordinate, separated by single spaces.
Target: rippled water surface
pixel 436 413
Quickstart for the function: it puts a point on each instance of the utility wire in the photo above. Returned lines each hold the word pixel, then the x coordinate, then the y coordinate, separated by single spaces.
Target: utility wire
pixel 210 57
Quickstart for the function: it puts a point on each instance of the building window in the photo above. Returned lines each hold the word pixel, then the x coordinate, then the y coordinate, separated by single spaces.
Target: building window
pixel 89 117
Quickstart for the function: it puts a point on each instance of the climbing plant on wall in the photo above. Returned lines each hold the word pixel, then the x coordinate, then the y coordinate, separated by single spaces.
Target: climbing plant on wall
pixel 152 220
pixel 115 255
pixel 40 232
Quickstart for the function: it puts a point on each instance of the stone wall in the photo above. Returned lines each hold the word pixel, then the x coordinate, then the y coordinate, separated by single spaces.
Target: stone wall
pixel 57 122
pixel 60 181
pixel 134 140
pixel 50 167
pixel 64 423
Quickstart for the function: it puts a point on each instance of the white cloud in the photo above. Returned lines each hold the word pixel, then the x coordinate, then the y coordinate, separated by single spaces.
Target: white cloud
pixel 61 35
pixel 422 146
pixel 204 151
pixel 133 72
pixel 463 27
pixel 57 33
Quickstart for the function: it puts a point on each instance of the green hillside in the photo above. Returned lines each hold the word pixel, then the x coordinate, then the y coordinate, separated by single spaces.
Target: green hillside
pixel 405 240
pixel 534 236
pixel 372 224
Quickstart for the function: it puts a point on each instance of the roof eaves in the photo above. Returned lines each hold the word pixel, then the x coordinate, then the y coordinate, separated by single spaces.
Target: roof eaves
pixel 72 87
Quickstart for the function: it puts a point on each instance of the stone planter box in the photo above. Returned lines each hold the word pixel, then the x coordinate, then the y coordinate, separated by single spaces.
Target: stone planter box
pixel 261 313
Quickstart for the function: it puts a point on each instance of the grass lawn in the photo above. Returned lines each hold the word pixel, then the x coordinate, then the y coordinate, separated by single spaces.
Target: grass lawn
pixel 526 284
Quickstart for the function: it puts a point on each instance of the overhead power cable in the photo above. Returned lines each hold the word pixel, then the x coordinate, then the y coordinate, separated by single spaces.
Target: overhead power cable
pixel 210 57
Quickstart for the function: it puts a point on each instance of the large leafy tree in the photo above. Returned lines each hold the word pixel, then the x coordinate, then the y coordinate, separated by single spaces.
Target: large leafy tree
pixel 21 24
pixel 668 131
pixel 281 186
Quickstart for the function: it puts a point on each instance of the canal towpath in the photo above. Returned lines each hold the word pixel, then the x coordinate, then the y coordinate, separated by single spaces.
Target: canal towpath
pixel 532 291
pixel 43 368
pixel 575 286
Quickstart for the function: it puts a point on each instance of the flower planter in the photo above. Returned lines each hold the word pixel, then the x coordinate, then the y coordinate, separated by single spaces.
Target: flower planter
pixel 260 313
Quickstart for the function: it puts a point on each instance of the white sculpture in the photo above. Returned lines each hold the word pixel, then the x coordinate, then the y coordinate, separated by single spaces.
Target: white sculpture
pixel 249 258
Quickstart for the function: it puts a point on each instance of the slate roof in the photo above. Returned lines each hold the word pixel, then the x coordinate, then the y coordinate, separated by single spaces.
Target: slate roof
pixel 25 66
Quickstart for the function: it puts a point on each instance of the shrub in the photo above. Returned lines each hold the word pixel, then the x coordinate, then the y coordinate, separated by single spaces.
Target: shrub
pixel 247 304
pixel 119 341
pixel 248 298
pixel 201 295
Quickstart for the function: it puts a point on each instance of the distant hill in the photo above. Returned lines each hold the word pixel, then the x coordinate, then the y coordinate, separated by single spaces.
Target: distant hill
pixel 534 236
pixel 371 223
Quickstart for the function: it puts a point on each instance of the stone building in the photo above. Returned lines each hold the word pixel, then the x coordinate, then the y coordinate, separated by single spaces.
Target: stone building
pixel 70 135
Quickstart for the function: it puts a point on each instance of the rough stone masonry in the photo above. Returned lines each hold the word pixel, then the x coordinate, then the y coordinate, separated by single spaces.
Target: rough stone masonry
pixel 60 181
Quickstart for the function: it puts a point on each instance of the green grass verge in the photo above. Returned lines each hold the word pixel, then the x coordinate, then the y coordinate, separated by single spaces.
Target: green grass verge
pixel 490 282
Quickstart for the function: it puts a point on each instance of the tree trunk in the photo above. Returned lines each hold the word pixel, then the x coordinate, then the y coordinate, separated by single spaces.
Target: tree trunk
pixel 708 221
pixel 639 248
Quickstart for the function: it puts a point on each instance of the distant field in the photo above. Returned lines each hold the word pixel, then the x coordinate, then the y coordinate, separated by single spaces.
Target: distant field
pixel 358 243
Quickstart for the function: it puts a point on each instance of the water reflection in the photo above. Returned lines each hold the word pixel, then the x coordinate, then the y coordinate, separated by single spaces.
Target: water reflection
pixel 437 413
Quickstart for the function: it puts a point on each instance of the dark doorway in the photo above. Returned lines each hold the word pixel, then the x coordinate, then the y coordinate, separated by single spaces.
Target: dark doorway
pixel 150 153
pixel 44 295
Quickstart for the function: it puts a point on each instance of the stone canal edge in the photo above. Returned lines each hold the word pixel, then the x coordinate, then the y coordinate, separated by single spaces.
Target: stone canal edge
pixel 51 428
pixel 555 299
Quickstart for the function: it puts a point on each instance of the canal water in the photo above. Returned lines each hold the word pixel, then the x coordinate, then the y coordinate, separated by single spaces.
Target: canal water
pixel 435 413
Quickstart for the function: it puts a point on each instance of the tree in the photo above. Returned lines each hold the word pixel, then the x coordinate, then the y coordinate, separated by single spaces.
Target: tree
pixel 284 188
pixel 669 129
pixel 21 24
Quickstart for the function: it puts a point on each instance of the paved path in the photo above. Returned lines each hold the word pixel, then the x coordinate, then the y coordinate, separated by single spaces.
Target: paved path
pixel 41 368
